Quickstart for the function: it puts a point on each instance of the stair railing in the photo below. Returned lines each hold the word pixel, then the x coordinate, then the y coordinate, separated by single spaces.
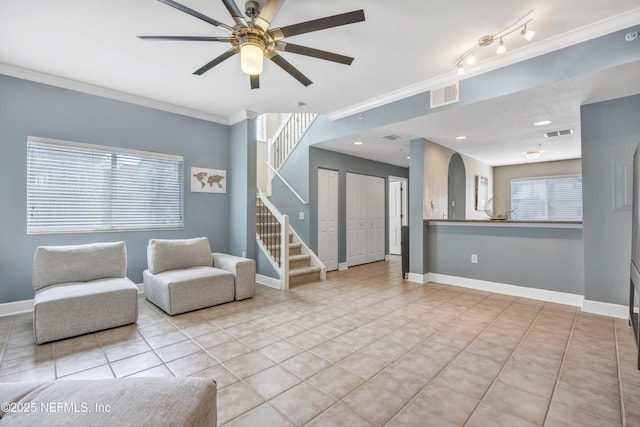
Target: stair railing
pixel 272 234
pixel 287 137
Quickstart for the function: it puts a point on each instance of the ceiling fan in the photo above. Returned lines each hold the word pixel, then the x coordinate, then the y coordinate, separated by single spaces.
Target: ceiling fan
pixel 254 40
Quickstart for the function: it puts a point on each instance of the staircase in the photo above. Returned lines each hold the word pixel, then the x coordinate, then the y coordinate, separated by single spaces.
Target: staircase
pixel 294 261
pixel 301 269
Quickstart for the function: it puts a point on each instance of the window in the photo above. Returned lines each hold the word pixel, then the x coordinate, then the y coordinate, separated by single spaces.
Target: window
pixel 261 128
pixel 74 187
pixel 556 198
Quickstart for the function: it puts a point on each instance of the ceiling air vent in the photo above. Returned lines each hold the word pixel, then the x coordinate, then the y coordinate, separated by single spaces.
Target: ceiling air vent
pixel 391 137
pixel 558 133
pixel 445 95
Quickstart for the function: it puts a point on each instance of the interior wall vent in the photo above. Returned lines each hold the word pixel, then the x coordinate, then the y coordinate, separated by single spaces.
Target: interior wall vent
pixel 391 137
pixel 445 95
pixel 558 133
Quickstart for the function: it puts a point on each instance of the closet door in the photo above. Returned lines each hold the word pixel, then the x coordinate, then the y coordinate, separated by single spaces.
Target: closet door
pixel 328 218
pixel 365 219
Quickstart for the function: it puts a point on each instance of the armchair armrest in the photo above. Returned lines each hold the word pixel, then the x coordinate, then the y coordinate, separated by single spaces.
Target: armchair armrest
pixel 243 270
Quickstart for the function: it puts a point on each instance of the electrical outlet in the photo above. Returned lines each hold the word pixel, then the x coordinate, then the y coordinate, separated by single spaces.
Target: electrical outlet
pixel 244 254
pixel 474 258
pixel 300 215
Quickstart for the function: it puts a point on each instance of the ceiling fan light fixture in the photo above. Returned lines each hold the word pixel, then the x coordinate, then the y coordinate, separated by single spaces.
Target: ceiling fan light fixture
pixel 501 47
pixel 252 55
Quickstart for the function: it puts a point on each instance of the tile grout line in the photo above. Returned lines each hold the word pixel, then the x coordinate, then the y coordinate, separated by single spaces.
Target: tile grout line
pixel 564 357
pixel 618 371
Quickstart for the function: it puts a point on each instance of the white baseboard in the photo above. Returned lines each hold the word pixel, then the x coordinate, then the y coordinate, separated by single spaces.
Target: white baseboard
pixel 514 290
pixel 268 281
pixel 419 278
pixel 606 309
pixel 17 307
pixel 387 257
pixel 343 266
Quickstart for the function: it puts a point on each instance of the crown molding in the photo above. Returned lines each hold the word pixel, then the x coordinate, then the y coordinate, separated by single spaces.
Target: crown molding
pixel 62 82
pixel 242 115
pixel 570 38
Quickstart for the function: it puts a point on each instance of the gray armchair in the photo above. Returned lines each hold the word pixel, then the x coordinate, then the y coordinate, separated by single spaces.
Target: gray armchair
pixel 184 275
pixel 81 289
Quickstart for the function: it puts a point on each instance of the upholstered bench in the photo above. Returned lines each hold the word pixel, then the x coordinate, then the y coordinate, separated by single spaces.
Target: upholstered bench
pixel 115 402
pixel 184 275
pixel 81 289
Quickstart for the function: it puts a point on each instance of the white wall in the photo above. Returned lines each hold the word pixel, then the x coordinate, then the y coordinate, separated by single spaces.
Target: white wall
pixel 436 180
pixel 261 165
pixel 475 168
pixel 504 174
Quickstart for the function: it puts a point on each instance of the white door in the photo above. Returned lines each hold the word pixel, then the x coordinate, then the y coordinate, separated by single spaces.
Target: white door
pixel 365 219
pixel 328 218
pixel 395 217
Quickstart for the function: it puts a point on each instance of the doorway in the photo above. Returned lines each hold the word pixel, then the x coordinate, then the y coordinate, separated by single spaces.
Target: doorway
pixel 397 212
pixel 457 192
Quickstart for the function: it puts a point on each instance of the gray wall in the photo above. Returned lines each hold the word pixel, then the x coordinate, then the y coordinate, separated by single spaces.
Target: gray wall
pixel 33 109
pixel 541 258
pixel 610 134
pixel 344 164
pixel 417 227
pixel 242 186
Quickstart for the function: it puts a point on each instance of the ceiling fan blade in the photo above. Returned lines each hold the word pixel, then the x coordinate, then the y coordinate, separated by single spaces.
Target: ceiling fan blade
pixel 318 24
pixel 187 38
pixel 216 61
pixel 267 13
pixel 316 53
pixel 285 65
pixel 255 81
pixel 235 12
pixel 196 14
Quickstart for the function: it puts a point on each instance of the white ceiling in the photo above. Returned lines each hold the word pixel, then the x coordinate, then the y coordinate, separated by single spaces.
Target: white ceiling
pixel 92 45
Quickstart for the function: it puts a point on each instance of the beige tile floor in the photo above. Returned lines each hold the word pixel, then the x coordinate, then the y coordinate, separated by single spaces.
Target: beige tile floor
pixel 366 348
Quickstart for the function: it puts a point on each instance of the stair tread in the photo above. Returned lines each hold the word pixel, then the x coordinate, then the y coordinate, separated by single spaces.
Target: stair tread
pixel 299 257
pixel 303 270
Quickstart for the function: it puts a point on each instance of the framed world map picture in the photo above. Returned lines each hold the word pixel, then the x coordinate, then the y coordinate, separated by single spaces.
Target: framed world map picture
pixel 208 180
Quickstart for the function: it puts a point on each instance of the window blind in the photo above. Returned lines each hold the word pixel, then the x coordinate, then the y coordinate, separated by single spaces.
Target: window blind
pixel 74 187
pixel 557 198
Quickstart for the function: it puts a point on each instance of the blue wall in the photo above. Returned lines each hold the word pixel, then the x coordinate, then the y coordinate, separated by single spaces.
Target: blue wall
pixel 33 109
pixel 610 133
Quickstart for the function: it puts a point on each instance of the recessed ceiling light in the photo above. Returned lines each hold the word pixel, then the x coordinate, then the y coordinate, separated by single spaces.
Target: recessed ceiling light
pixel 533 154
pixel 461 137
pixel 358 143
pixel 408 157
pixel 542 123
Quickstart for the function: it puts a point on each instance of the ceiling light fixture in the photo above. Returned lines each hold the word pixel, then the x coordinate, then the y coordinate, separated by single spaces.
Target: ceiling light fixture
pixel 358 143
pixel 543 123
pixel 252 55
pixel 461 137
pixel 470 55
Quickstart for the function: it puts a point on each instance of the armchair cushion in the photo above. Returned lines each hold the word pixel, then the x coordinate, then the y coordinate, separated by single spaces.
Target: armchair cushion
pixel 78 263
pixel 175 254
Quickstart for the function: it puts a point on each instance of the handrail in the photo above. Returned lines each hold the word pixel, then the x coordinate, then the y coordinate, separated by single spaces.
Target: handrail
pixel 295 193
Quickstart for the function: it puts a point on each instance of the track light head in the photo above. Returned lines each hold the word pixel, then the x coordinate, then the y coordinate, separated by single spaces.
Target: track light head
pixel 527 34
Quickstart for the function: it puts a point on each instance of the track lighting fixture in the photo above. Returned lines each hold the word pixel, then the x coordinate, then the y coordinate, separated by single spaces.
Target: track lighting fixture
pixel 470 55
